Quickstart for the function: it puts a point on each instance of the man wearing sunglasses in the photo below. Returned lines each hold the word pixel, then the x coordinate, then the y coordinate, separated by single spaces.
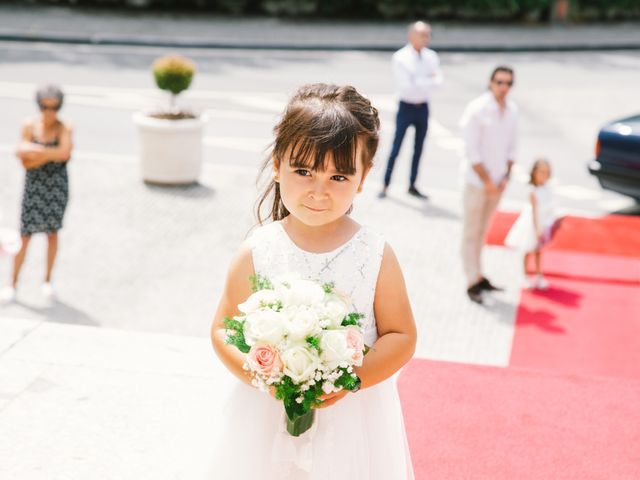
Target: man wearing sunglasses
pixel 489 126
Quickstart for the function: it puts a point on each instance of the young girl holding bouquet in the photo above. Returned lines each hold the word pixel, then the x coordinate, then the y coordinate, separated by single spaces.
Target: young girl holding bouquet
pixel 322 154
pixel 537 223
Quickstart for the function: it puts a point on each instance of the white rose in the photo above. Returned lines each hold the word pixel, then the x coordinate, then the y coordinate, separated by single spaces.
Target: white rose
pixel 334 310
pixel 300 363
pixel 264 326
pixel 335 349
pixel 296 291
pixel 302 322
pixel 259 300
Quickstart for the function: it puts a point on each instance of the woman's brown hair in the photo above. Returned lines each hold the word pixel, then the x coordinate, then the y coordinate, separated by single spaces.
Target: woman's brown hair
pixel 320 119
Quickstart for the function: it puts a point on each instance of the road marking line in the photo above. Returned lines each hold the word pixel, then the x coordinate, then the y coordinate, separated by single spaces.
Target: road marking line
pixel 577 192
pixel 251 145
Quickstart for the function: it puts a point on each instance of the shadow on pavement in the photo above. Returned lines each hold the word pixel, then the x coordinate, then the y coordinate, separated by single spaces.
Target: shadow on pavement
pixel 60 312
pixel 541 319
pixel 426 208
pixel 503 310
pixel 194 190
pixel 560 295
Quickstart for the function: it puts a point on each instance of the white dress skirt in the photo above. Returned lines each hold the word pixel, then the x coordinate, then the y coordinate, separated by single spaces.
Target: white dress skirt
pixel 522 236
pixel 362 436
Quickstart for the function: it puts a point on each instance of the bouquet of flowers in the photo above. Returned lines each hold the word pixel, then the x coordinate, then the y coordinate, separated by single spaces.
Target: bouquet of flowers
pixel 301 341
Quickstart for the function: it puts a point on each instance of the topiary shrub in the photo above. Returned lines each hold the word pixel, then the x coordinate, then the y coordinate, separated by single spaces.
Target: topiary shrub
pixel 173 73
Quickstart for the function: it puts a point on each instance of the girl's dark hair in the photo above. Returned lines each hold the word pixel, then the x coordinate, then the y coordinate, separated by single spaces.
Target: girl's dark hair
pixel 320 119
pixel 539 162
pixel 50 91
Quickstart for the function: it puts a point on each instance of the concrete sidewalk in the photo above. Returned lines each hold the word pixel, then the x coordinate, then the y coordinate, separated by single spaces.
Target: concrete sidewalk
pixel 81 402
pixel 201 30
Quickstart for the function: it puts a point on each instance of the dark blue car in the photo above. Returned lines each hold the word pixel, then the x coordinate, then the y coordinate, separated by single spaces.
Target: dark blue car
pixel 617 162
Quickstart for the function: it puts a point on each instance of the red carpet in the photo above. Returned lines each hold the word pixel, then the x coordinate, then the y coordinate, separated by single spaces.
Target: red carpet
pixel 613 234
pixel 588 322
pixel 590 267
pixel 580 327
pixel 470 422
pixel 568 406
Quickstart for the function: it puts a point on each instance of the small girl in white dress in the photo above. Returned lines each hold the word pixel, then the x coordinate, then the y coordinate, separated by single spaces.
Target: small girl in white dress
pixel 536 224
pixel 323 151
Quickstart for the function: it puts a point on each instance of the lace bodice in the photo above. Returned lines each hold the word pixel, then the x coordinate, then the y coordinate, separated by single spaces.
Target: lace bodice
pixel 353 267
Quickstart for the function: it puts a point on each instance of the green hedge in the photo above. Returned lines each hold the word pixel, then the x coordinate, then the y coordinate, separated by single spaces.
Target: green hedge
pixel 463 9
pixel 605 9
pixel 386 9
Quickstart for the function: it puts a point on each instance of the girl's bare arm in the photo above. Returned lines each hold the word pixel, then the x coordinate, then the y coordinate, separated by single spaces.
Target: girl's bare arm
pixel 396 326
pixel 236 290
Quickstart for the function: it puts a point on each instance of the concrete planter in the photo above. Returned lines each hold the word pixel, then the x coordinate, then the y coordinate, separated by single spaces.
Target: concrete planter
pixel 170 150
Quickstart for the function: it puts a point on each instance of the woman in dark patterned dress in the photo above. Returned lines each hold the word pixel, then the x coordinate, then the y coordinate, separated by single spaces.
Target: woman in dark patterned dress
pixel 44 151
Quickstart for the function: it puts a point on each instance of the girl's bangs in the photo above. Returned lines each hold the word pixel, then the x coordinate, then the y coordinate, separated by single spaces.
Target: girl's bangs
pixel 312 154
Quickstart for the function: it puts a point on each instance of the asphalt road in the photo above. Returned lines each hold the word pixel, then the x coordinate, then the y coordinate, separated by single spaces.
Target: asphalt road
pixel 564 98
pixel 154 259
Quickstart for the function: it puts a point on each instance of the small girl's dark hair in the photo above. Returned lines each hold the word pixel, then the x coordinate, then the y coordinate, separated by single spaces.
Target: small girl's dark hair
pixel 320 119
pixel 539 161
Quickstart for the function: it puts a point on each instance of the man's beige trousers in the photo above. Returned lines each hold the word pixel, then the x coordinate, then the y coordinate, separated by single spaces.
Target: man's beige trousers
pixel 478 209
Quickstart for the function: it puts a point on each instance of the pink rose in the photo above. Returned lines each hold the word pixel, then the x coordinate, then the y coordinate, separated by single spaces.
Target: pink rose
pixel 264 359
pixel 355 340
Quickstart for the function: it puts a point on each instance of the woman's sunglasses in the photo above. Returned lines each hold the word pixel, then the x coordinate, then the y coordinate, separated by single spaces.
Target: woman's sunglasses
pixel 53 108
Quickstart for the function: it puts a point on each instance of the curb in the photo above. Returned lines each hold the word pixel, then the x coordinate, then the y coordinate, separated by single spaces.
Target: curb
pixel 185 43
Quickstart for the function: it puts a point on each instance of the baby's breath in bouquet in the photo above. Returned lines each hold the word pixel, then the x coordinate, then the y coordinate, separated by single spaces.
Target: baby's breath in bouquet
pixel 302 340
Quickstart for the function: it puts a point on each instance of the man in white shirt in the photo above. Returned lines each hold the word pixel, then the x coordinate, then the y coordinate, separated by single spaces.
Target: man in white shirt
pixel 489 126
pixel 416 71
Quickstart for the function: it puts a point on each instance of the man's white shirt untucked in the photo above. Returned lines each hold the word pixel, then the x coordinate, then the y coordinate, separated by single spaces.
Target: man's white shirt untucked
pixel 490 137
pixel 416 74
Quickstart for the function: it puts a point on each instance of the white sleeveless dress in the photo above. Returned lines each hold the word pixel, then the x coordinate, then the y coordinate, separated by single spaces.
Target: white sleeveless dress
pixel 362 436
pixel 522 235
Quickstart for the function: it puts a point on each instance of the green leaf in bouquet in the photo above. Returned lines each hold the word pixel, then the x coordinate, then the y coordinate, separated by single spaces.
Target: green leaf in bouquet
pixel 235 334
pixel 352 319
pixel 259 282
pixel 300 415
pixel 311 398
pixel 286 389
pixel 313 342
pixel 347 380
pixel 288 392
pixel 276 307
pixel 328 287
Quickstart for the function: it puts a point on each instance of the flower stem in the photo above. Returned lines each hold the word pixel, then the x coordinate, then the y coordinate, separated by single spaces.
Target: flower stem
pixel 299 424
